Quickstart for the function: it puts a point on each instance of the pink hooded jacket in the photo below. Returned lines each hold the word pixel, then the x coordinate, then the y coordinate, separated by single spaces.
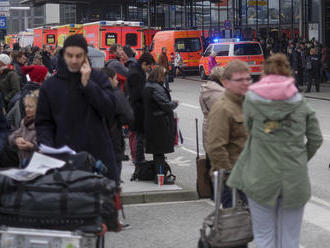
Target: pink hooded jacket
pixel 275 87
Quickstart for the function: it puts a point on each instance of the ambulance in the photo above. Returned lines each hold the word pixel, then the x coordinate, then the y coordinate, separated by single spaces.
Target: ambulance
pixel 66 30
pixel 187 42
pixel 45 36
pixel 103 34
pixel 230 49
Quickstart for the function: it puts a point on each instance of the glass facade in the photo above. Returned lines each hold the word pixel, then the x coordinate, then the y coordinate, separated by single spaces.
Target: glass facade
pixel 247 18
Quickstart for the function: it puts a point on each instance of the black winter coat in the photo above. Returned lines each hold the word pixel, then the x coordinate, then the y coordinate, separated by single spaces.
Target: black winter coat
pixel 135 85
pixel 159 119
pixel 73 115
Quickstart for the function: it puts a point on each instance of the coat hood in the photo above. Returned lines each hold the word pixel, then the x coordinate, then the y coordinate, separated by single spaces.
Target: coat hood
pixel 271 109
pixel 211 86
pixel 275 87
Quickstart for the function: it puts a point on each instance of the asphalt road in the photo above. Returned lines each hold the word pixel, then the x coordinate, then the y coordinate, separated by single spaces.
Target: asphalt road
pixel 163 225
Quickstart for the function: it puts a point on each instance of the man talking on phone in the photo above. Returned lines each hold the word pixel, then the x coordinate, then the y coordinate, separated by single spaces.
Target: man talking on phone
pixel 73 105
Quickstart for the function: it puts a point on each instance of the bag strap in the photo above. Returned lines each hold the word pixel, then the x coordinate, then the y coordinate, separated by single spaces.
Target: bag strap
pixel 197 140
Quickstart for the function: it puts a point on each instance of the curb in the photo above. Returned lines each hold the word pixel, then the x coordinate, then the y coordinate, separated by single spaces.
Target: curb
pixel 317 98
pixel 163 196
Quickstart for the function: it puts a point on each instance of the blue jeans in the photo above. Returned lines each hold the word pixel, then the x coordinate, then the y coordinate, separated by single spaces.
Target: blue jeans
pixel 276 227
pixel 167 85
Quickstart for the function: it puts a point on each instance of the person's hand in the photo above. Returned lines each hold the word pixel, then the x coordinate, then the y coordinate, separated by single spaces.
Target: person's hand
pixel 295 72
pixel 176 101
pixel 21 143
pixel 114 83
pixel 85 71
pixel 29 145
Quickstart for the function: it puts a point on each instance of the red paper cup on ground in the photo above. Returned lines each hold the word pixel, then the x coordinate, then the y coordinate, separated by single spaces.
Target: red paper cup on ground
pixel 160 179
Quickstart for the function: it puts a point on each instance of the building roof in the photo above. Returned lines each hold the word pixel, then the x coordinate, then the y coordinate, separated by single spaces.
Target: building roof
pixel 113 2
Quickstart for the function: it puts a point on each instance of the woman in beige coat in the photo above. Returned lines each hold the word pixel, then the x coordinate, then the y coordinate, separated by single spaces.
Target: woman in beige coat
pixel 25 138
pixel 210 92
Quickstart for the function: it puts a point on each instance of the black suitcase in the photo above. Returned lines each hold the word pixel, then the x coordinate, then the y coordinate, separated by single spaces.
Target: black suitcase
pixel 61 200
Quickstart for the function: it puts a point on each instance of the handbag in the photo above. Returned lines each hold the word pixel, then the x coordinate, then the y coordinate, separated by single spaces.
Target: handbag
pixel 229 227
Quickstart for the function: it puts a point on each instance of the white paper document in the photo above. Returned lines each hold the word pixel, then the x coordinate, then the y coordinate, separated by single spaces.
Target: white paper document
pixel 39 165
pixel 51 150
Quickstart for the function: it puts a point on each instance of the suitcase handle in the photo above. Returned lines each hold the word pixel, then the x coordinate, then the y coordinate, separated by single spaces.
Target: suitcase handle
pixel 197 140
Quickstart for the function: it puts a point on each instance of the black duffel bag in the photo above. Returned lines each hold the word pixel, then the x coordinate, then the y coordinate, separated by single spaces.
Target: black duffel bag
pixel 62 200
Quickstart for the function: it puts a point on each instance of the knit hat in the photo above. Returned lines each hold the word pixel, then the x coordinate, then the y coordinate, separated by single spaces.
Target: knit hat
pixel 37 73
pixel 76 40
pixel 4 58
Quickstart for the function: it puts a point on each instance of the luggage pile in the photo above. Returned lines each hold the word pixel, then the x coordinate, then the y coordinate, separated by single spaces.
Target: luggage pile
pixel 69 198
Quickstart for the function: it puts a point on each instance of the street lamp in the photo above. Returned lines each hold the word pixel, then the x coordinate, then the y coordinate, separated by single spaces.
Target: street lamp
pixel 25 15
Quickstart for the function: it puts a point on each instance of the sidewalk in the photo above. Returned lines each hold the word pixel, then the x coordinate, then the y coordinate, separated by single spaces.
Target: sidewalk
pixel 324 93
pixel 134 192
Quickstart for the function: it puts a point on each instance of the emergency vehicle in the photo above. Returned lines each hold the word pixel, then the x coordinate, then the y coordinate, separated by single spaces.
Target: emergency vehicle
pixel 227 50
pixel 66 30
pixel 11 39
pixel 45 36
pixel 103 34
pixel 187 42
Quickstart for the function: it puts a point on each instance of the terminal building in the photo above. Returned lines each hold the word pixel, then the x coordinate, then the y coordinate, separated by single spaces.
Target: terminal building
pixel 222 18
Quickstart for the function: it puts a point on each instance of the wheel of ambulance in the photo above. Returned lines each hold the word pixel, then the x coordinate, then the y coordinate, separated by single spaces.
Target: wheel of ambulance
pixel 202 73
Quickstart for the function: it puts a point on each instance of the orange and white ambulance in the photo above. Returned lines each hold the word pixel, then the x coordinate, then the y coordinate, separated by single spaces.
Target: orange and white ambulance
pixel 66 30
pixel 45 36
pixel 103 34
pixel 187 42
pixel 230 49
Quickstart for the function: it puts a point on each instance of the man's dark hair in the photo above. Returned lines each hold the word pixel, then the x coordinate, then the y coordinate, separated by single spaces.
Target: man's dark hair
pixel 147 58
pixel 128 50
pixel 110 73
pixel 114 47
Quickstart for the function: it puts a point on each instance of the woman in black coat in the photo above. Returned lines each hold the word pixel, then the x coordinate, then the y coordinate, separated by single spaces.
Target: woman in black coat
pixel 159 124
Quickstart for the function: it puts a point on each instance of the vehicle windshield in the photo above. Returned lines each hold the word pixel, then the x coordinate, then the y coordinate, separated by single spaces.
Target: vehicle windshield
pixel 247 49
pixel 188 44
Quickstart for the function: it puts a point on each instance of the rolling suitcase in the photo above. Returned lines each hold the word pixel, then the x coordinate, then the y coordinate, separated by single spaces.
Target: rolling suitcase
pixel 226 227
pixel 203 182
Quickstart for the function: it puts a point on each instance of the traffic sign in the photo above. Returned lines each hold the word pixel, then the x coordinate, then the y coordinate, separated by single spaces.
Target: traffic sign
pixel 3 22
pixel 4 3
pixel 227 24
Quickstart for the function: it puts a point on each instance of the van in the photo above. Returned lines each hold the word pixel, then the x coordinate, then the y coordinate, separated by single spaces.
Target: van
pixel 187 42
pixel 67 30
pixel 104 34
pixel 227 50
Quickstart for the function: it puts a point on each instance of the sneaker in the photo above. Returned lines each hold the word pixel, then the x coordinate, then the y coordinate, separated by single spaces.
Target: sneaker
pixel 124 226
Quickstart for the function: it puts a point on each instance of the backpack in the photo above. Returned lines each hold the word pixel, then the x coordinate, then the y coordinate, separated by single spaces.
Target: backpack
pixel 148 170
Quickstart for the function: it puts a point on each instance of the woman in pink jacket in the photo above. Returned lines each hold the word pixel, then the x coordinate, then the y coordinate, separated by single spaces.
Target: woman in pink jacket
pixel 212 62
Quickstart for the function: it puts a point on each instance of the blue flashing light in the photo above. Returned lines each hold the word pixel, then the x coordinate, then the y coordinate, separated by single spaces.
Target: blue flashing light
pixel 72 25
pixel 238 40
pixel 103 22
pixel 216 40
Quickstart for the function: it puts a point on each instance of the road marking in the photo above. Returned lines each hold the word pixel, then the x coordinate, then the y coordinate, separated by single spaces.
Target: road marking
pixel 189 105
pixel 179 162
pixel 317 215
pixel 320 201
pixel 188 150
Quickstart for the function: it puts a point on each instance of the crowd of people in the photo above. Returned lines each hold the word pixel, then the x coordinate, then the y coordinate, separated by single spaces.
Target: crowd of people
pixel 309 60
pixel 74 97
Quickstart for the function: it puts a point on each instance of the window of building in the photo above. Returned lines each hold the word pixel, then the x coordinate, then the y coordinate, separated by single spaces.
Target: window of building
pixel 110 39
pixel 131 39
pixel 221 50
pixel 262 12
pixel 274 11
pixel 251 12
pixel 286 11
pixel 188 44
